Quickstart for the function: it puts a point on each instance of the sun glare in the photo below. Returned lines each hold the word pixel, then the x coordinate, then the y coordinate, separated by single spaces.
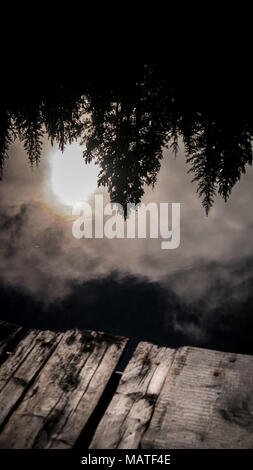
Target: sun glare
pixel 72 181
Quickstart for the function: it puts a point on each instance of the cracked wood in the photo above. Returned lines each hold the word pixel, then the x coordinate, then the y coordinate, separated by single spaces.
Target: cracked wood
pixel 22 365
pixel 206 402
pixel 58 405
pixel 132 405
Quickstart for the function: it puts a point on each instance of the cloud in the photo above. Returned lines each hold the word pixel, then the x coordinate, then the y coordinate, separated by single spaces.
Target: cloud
pixel 199 294
pixel 143 310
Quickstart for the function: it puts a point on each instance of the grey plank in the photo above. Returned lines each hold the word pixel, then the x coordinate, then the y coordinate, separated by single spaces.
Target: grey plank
pixel 22 365
pixel 7 333
pixel 131 408
pixel 58 405
pixel 206 402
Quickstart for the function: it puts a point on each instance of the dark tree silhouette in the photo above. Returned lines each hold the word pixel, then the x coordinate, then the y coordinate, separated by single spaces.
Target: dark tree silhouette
pixel 125 118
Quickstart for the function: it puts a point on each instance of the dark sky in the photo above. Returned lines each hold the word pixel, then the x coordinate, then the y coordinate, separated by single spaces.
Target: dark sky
pixel 200 293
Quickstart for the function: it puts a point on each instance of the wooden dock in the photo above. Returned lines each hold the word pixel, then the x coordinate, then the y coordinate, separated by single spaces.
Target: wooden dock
pixel 62 390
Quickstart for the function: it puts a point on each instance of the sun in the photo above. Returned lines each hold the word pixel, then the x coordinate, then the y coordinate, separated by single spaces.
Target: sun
pixel 71 179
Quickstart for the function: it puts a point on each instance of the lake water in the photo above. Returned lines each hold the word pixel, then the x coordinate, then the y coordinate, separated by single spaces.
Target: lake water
pixel 199 293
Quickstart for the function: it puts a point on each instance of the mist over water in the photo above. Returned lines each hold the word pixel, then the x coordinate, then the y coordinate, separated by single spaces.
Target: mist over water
pixel 200 293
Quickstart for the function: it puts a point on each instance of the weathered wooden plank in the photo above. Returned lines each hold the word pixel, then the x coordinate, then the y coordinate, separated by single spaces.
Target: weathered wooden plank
pixel 65 393
pixel 7 333
pixel 22 365
pixel 132 405
pixel 206 402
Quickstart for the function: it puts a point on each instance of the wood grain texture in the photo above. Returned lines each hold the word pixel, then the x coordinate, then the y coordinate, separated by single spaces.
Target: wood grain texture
pixel 22 365
pixel 51 383
pixel 132 405
pixel 65 393
pixel 206 402
pixel 7 333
